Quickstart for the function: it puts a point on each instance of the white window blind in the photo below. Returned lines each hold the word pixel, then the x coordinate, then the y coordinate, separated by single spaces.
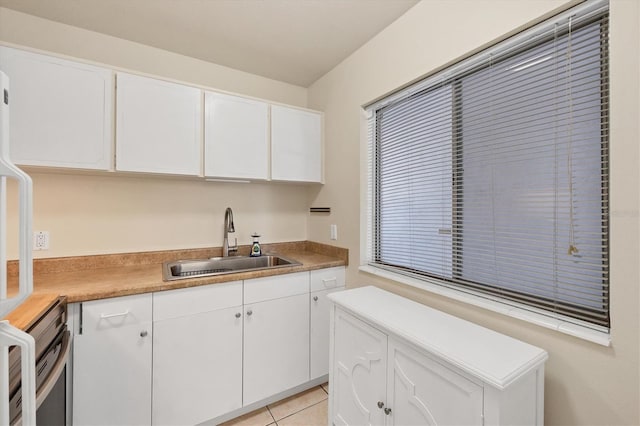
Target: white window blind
pixel 492 176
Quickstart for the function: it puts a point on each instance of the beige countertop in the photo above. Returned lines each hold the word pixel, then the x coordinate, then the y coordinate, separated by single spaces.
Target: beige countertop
pixel 85 278
pixel 25 315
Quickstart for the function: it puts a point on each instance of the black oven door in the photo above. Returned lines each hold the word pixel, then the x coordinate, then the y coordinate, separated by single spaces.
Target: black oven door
pixel 51 385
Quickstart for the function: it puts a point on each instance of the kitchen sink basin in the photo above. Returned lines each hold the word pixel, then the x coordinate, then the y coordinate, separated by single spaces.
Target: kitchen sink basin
pixel 182 269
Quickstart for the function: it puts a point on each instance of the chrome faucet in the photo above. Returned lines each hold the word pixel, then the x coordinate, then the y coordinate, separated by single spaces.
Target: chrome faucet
pixel 228 227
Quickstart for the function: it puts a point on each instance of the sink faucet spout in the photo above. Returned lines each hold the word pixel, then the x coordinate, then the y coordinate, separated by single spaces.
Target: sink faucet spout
pixel 228 228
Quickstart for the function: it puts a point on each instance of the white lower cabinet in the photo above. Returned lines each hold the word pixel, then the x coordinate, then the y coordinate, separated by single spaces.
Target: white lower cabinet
pixel 112 362
pixel 424 392
pixel 197 353
pixel 323 282
pixel 397 362
pixel 359 372
pixel 276 335
pixel 193 355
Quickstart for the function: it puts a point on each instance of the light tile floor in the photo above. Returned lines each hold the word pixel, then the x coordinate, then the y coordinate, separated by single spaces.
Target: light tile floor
pixel 308 408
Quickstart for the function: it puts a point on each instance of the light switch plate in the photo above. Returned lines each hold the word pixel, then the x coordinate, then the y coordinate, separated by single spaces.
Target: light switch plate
pixel 334 232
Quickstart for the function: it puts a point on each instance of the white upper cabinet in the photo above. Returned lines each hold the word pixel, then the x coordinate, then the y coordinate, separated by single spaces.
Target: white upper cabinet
pixel 61 111
pixel 296 145
pixel 63 115
pixel 236 137
pixel 158 126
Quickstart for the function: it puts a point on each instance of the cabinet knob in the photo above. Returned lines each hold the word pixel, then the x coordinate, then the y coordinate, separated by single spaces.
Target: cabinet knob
pixel 238 314
pixel 143 333
pixel 387 411
pixel 380 404
pixel 315 298
pixel 249 312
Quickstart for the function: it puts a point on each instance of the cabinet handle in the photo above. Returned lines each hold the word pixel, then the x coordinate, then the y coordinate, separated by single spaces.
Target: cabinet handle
pixel 143 333
pixel 387 411
pixel 315 298
pixel 121 314
pixel 249 312
pixel 238 314
pixel 380 404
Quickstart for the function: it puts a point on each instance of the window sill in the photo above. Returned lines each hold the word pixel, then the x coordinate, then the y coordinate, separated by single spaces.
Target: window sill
pixel 563 326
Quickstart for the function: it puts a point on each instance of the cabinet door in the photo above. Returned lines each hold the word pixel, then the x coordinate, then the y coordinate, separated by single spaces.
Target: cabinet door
pixel 158 127
pixel 296 145
pixel 359 372
pixel 197 367
pixel 236 137
pixel 276 346
pixel 319 320
pixel 61 111
pixel 423 392
pixel 112 362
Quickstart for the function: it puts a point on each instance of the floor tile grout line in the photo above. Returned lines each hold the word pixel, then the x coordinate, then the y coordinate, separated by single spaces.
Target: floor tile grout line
pixel 299 411
pixel 272 416
pixel 303 408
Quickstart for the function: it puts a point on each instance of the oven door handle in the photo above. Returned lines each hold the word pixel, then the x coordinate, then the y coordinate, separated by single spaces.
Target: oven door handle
pixel 56 371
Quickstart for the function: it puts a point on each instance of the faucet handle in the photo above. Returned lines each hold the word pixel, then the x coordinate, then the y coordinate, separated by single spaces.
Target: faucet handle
pixel 234 248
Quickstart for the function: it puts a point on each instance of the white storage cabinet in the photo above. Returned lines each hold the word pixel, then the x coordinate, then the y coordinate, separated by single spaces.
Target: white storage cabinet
pixel 61 111
pixel 158 126
pixel 296 145
pixel 112 362
pixel 236 137
pixel 397 362
pixel 276 335
pixel 197 353
pixel 323 282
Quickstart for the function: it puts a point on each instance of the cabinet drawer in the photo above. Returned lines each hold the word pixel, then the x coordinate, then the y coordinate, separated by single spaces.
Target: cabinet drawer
pixel 195 300
pixel 117 312
pixel 268 288
pixel 323 279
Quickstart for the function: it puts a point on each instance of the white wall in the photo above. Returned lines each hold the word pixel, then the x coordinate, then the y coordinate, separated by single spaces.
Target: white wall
pixel 30 31
pixel 106 213
pixel 87 214
pixel 586 384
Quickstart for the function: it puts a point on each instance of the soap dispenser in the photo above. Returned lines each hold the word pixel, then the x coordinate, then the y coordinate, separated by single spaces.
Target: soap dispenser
pixel 255 246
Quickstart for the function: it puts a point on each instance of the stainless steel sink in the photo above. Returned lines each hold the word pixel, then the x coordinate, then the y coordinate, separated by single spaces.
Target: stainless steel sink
pixel 182 269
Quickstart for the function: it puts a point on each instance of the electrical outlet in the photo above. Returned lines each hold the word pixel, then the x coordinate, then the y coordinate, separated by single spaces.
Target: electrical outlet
pixel 334 232
pixel 41 240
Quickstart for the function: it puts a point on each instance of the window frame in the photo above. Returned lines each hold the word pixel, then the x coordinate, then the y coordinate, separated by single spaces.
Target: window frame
pixel 583 329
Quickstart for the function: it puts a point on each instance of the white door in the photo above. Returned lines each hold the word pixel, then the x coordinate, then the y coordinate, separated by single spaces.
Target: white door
pixel 423 392
pixel 61 111
pixel 197 367
pixel 296 145
pixel 276 346
pixel 158 126
pixel 319 341
pixel 236 137
pixel 112 362
pixel 359 375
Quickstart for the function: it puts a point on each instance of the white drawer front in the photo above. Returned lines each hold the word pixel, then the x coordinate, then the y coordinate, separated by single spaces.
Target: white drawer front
pixel 268 288
pixel 323 279
pixel 195 300
pixel 117 312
